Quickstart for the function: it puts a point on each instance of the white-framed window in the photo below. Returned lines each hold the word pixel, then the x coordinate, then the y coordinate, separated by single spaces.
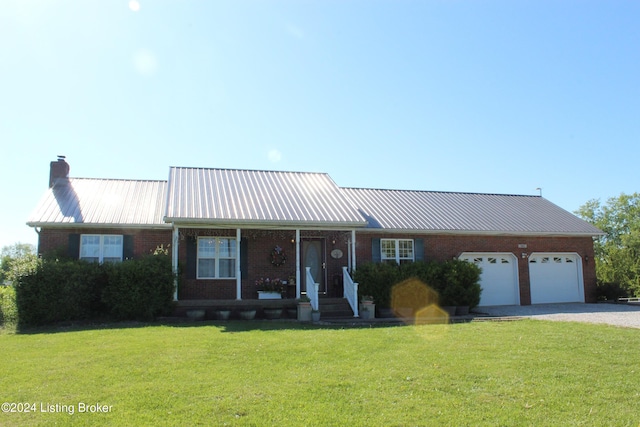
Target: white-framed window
pixel 398 250
pixel 216 258
pixel 101 247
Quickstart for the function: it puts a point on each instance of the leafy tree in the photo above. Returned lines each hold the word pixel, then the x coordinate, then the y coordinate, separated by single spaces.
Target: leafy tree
pixel 618 251
pixel 15 261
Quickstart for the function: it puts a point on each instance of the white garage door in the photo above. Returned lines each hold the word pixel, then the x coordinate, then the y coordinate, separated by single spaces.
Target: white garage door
pixel 555 277
pixel 499 278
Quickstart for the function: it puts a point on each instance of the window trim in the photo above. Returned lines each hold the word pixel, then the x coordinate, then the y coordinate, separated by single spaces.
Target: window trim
pixel 101 251
pixel 217 258
pixel 398 259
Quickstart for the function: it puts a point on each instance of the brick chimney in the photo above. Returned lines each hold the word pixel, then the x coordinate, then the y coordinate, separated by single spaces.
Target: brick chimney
pixel 59 170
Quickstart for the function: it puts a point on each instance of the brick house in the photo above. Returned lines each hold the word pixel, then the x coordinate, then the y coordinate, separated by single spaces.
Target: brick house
pixel 227 228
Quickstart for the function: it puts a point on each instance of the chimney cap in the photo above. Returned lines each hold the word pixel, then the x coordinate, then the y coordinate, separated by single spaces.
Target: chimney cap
pixel 61 158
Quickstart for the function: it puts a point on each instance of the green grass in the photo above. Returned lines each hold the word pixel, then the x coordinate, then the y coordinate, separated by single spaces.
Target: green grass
pixel 509 373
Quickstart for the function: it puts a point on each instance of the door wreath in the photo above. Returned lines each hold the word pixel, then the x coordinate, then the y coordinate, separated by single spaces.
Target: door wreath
pixel 278 256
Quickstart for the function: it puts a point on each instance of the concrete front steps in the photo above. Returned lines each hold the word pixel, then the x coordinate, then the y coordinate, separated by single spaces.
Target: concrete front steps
pixel 334 309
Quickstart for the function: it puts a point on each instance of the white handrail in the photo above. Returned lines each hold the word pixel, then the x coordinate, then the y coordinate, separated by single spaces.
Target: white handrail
pixel 312 289
pixel 350 291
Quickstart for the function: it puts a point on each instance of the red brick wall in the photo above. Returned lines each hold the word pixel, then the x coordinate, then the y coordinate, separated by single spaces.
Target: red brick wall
pixel 443 247
pixel 259 247
pixel 144 241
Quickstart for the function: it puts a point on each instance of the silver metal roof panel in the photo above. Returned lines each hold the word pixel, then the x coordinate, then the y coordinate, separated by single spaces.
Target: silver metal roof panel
pixel 232 196
pixel 397 210
pixel 101 202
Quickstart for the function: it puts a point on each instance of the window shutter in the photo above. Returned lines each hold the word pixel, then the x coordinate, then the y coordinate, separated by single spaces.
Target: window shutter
pixel 192 257
pixel 244 258
pixel 127 247
pixel 418 249
pixel 376 255
pixel 73 249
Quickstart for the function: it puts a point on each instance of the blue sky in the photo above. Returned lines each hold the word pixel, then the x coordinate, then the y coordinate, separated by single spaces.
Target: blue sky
pixel 473 96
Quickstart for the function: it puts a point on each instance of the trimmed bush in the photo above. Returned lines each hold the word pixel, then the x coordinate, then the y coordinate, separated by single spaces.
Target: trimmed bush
pixel 64 290
pixel 456 282
pixel 141 289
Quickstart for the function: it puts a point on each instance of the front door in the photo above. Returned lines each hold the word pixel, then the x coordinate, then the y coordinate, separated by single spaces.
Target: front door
pixel 313 255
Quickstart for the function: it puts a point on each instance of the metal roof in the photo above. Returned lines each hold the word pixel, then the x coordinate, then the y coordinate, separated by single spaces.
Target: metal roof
pixel 232 196
pixel 425 211
pixel 101 202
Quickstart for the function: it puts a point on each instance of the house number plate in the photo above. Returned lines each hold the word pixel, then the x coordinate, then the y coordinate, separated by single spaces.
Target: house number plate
pixel 336 254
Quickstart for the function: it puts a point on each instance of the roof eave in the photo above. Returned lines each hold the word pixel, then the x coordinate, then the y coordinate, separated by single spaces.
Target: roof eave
pixel 485 232
pixel 36 224
pixel 192 222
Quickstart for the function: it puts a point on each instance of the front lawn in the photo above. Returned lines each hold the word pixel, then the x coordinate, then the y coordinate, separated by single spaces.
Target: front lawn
pixel 269 373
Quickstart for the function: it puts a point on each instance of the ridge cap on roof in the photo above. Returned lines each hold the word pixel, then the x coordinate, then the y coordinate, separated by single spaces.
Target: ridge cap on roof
pixel 443 192
pixel 248 170
pixel 116 179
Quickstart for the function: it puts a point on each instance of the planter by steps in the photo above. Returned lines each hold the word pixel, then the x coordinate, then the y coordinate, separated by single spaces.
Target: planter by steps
pixel 304 311
pixel 315 316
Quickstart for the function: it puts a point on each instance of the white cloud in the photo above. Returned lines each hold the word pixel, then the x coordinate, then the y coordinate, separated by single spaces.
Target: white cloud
pixel 145 62
pixel 274 156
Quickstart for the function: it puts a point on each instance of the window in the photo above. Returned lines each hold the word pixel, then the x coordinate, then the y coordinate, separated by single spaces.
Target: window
pixel 216 258
pixel 398 250
pixel 101 248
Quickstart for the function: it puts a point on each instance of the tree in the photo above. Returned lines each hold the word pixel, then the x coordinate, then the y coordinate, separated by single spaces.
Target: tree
pixel 618 251
pixel 16 260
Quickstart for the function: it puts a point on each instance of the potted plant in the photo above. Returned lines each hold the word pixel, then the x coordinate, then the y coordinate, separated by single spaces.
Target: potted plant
pixel 304 309
pixel 269 288
pixel 315 315
pixel 367 307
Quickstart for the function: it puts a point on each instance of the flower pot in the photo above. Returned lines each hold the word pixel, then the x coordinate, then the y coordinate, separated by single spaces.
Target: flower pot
pixel 367 306
pixel 304 312
pixel 315 316
pixel 223 314
pixel 269 295
pixel 272 313
pixel 248 314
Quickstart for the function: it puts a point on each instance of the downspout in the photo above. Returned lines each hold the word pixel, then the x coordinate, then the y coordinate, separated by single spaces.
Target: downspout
pixel 174 259
pixel 238 270
pixel 353 250
pixel 298 263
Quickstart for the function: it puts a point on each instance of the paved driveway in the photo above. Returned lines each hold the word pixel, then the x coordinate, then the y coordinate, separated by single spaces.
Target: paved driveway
pixel 613 314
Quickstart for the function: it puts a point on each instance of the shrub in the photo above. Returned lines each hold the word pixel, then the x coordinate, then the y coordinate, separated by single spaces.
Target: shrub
pixel 8 307
pixel 140 289
pixel 610 292
pixel 456 282
pixel 377 280
pixel 59 291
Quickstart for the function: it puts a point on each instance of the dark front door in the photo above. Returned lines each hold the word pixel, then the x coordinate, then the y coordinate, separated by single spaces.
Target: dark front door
pixel 313 256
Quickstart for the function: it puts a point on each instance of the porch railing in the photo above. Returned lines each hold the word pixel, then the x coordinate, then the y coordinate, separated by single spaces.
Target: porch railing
pixel 312 289
pixel 350 291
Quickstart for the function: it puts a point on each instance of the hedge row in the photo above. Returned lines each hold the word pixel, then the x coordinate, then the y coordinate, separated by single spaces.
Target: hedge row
pixel 456 282
pixel 59 290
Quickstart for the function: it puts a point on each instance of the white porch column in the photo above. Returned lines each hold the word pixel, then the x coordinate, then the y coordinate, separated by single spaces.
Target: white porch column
pixel 238 271
pixel 174 260
pixel 298 264
pixel 353 250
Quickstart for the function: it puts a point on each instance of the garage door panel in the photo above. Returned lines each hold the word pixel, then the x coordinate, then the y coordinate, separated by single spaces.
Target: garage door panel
pixel 499 277
pixel 555 278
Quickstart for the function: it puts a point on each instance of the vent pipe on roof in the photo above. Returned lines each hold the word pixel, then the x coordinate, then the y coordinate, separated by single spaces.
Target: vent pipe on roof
pixel 58 170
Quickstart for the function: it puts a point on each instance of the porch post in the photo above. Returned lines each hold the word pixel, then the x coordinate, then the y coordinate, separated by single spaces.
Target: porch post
pixel 238 271
pixel 174 260
pixel 298 263
pixel 353 250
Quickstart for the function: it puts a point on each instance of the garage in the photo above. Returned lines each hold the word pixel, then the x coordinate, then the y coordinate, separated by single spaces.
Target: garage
pixel 555 277
pixel 499 278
